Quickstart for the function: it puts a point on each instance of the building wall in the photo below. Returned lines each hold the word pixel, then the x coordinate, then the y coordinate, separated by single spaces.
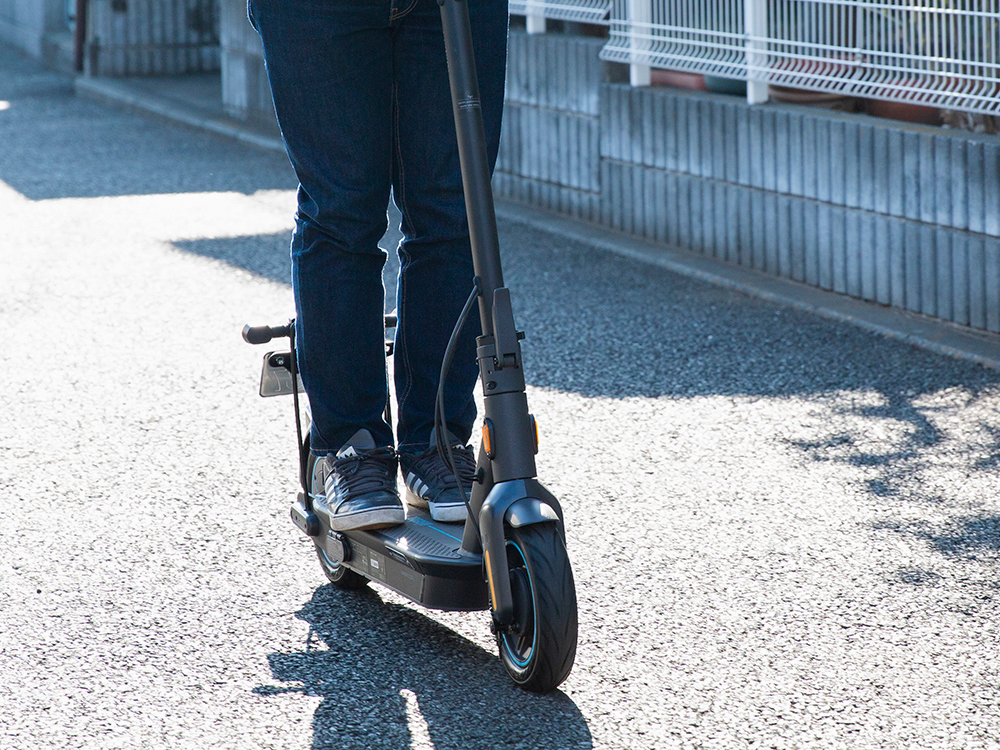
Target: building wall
pixel 26 23
pixel 903 215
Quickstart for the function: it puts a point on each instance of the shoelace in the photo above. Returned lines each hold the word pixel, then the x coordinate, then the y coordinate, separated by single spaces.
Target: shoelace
pixel 430 465
pixel 369 471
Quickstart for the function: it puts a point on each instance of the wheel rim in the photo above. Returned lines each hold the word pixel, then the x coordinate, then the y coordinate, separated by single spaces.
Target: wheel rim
pixel 325 559
pixel 519 648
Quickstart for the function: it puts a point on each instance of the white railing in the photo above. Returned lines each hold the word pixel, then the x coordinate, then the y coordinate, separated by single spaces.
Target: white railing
pixel 698 36
pixel 585 11
pixel 939 53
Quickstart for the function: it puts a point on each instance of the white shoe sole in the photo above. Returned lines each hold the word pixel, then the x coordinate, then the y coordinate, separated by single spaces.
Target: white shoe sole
pixel 443 512
pixel 373 518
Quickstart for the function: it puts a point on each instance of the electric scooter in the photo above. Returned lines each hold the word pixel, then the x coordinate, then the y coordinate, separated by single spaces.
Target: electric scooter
pixel 510 557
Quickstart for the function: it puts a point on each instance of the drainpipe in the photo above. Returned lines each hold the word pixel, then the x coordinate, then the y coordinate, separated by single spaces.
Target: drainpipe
pixel 79 35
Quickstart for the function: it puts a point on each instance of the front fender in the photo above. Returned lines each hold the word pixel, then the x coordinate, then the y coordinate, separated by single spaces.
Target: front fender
pixel 518 502
pixel 529 510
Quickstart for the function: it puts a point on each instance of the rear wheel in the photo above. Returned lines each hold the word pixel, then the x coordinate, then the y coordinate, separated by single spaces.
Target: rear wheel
pixel 538 651
pixel 339 575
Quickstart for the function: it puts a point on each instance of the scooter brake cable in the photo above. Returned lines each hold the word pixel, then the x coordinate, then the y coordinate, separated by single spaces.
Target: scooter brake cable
pixel 440 423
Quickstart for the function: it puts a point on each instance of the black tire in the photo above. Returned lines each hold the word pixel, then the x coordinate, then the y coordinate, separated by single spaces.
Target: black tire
pixel 339 575
pixel 540 656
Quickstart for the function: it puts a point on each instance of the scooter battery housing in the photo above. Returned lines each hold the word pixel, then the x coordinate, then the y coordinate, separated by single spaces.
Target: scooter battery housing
pixel 423 560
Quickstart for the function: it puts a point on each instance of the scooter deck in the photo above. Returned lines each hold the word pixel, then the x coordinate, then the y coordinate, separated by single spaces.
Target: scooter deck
pixel 422 559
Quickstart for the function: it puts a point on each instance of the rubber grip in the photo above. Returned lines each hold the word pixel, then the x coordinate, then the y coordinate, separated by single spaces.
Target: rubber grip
pixel 257 334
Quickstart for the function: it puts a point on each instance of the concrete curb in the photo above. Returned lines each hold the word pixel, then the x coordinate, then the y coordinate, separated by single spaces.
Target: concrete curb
pixel 937 336
pixel 114 92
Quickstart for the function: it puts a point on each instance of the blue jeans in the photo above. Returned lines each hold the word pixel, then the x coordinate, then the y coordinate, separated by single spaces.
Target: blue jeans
pixel 361 93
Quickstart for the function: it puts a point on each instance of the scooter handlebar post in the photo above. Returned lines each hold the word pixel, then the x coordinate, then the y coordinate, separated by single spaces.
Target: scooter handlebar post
pixel 472 154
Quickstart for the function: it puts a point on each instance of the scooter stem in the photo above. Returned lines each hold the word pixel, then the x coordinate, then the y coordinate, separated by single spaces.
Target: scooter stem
pixel 472 154
pixel 511 458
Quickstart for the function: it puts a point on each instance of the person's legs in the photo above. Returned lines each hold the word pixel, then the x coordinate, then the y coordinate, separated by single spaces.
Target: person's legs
pixel 436 269
pixel 330 67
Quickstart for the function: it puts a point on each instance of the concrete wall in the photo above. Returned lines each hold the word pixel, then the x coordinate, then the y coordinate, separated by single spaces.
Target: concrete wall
pixel 903 215
pixel 550 143
pixel 27 23
pixel 246 93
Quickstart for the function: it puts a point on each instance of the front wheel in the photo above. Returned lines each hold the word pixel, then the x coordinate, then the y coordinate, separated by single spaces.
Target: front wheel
pixel 538 651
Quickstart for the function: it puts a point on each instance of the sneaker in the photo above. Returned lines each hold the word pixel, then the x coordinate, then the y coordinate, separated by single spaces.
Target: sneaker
pixel 360 486
pixel 431 485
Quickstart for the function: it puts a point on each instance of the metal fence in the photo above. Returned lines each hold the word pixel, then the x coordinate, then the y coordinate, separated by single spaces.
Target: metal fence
pixel 939 53
pixel 585 11
pixel 152 37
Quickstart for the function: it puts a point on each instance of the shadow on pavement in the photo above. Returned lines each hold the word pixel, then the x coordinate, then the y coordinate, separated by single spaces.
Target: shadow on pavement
pixel 267 255
pixel 603 326
pixel 960 538
pixel 390 677
pixel 968 535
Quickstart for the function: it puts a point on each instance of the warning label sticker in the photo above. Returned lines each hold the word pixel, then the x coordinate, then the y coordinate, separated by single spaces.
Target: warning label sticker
pixel 376 565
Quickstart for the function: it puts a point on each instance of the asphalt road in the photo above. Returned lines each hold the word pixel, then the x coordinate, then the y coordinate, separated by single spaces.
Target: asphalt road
pixel 785 531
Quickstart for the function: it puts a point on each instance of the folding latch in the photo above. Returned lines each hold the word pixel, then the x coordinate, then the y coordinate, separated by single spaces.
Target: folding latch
pixel 508 351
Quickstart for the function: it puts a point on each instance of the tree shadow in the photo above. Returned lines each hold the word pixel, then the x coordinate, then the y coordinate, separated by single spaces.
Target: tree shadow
pixel 962 538
pixel 967 536
pixel 915 453
pixel 604 325
pixel 911 462
pixel 267 256
pixel 388 676
pixel 992 460
pixel 904 458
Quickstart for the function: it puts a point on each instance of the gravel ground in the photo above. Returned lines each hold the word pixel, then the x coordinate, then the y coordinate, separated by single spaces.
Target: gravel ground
pixel 785 531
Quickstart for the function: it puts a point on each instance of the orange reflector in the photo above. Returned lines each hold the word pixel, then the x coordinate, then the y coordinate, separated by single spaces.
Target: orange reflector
pixel 489 577
pixel 488 438
pixel 534 426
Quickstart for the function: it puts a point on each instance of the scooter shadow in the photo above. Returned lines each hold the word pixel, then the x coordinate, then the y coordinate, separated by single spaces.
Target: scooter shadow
pixel 391 677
